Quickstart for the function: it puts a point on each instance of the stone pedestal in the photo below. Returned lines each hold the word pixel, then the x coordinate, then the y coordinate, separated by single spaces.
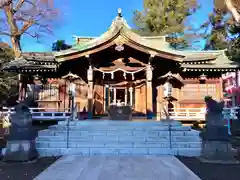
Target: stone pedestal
pixel 21 139
pixel 120 113
pixel 217 152
pixel 216 146
pixel 235 130
pixel 20 150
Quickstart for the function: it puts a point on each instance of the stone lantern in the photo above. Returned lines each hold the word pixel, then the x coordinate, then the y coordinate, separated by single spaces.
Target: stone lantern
pixel 167 89
pixel 72 91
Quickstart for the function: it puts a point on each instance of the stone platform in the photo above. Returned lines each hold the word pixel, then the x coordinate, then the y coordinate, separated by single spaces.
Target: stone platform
pixel 132 138
pixel 117 168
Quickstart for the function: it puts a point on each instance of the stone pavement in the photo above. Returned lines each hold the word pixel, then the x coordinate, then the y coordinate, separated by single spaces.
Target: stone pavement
pixel 117 168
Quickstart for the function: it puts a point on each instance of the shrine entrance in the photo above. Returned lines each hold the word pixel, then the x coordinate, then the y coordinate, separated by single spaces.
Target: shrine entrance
pixel 120 95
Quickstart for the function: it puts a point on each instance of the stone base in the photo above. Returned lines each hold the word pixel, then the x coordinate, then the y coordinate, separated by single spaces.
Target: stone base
pixel 170 122
pixel 217 152
pixel 235 127
pixel 120 113
pixel 20 151
pixel 218 161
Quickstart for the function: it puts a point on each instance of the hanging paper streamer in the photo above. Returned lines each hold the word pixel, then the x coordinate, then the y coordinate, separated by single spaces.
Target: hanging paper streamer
pixel 112 75
pixel 124 75
pixel 132 76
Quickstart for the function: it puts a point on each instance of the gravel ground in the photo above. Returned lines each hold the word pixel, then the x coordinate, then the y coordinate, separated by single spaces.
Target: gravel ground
pixel 209 171
pixel 24 171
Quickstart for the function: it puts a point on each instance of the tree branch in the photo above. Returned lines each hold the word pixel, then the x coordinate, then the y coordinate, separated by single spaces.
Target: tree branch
pixel 26 26
pixel 19 5
pixel 5 3
pixel 33 36
pixel 233 10
pixel 5 34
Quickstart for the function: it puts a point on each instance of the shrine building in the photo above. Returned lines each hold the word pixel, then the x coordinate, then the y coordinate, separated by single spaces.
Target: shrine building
pixel 121 66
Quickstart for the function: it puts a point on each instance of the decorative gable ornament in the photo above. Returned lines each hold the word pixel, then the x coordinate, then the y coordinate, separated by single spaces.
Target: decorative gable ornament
pixel 119 48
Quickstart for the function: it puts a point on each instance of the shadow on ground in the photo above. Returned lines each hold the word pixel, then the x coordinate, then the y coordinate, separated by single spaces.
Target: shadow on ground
pixel 210 171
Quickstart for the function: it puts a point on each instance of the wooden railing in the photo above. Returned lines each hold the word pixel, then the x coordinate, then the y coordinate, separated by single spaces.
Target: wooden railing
pixel 41 114
pixel 188 114
pixel 185 114
pixel 181 114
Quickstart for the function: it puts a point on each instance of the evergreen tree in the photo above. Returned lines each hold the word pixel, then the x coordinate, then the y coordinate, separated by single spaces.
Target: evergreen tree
pixel 8 81
pixel 224 34
pixel 217 39
pixel 166 17
pixel 60 45
pixel 234 46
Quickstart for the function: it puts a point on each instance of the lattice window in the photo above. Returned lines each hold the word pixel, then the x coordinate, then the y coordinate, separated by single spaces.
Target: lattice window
pixel 49 92
pixel 198 91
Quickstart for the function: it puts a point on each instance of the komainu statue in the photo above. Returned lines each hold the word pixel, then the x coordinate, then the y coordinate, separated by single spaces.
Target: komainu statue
pixel 214 114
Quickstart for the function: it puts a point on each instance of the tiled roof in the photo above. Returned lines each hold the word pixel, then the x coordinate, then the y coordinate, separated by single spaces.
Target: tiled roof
pixel 37 56
pixel 23 64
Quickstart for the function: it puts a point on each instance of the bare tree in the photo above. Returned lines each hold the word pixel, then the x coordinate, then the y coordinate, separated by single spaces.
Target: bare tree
pixel 31 17
pixel 231 5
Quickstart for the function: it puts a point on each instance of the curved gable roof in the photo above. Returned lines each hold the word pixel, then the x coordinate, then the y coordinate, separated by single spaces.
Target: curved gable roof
pixel 120 32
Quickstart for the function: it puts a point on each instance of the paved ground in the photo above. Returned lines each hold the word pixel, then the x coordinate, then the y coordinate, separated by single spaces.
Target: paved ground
pixel 117 168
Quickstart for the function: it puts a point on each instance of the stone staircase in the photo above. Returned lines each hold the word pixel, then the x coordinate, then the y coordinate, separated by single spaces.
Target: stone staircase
pixel 102 137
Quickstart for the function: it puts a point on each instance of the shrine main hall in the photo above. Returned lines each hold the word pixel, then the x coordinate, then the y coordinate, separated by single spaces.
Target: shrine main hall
pixel 121 66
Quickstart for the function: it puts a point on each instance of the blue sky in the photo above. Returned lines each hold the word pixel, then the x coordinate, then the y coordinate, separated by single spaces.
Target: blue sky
pixel 92 18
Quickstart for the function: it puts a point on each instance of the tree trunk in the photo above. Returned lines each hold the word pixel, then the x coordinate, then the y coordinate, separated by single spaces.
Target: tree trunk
pixel 16 45
pixel 233 10
pixel 14 32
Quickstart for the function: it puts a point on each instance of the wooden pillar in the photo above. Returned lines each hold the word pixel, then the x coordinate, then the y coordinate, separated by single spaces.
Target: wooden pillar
pixel 22 87
pixel 104 98
pixel 137 102
pixel 219 89
pixel 131 95
pixel 114 95
pixel 90 92
pixel 126 96
pixel 149 98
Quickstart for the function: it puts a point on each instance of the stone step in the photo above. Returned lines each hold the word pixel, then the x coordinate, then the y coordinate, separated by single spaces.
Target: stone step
pixel 65 144
pixel 45 152
pixel 118 138
pixel 120 128
pixel 98 138
pixel 108 132
pixel 119 123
